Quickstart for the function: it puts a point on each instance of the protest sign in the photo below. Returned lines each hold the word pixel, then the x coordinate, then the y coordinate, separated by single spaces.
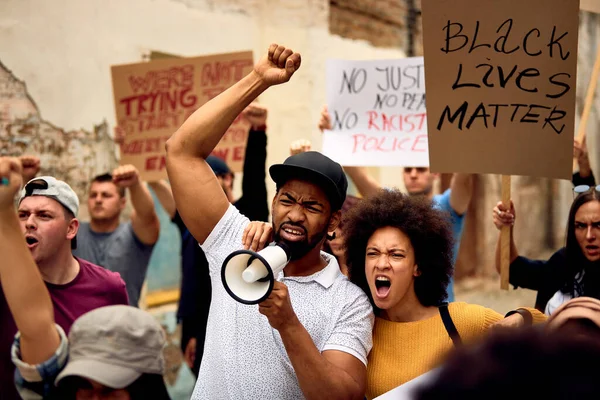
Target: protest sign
pixel 500 79
pixel 377 112
pixel 590 5
pixel 153 99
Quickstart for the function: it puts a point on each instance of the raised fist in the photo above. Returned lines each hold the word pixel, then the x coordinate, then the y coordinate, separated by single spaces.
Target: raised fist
pixel 11 181
pixel 278 65
pixel 256 115
pixel 31 167
pixel 126 176
pixel 300 146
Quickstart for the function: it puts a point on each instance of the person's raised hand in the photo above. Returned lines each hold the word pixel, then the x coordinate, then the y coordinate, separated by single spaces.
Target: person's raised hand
pixel 300 146
pixel 11 180
pixel 503 216
pixel 256 115
pixel 278 65
pixel 256 235
pixel 325 119
pixel 126 176
pixel 31 167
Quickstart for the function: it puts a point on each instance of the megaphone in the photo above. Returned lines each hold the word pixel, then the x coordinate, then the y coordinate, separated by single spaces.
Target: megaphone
pixel 249 277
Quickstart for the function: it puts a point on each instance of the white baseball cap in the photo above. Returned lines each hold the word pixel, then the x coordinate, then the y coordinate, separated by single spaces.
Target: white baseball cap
pixel 51 187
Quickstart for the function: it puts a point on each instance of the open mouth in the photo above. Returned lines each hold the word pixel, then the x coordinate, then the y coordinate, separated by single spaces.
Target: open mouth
pixel 31 241
pixel 592 249
pixel 382 286
pixel 292 233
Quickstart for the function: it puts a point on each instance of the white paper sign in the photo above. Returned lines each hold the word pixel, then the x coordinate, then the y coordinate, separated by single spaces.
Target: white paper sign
pixel 377 111
pixel 407 391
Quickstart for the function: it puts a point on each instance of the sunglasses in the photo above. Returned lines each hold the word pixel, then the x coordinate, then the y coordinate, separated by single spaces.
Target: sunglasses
pixel 577 190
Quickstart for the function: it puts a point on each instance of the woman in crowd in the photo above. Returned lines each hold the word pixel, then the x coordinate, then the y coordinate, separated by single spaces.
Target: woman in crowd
pixel 572 271
pixel 399 251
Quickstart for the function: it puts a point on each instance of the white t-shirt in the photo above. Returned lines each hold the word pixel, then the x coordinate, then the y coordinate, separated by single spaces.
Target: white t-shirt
pixel 244 357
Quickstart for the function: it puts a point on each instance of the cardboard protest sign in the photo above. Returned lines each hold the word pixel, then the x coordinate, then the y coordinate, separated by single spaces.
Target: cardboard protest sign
pixel 377 112
pixel 590 5
pixel 153 99
pixel 500 79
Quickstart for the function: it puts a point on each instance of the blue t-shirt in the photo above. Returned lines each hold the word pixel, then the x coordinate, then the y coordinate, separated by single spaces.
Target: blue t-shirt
pixel 442 201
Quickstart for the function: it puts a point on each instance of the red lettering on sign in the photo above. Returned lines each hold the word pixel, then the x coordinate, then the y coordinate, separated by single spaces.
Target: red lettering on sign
pixel 156 163
pixel 384 144
pixel 238 153
pixel 395 123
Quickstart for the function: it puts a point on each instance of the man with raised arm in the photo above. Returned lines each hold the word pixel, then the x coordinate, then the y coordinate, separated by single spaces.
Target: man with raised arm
pixel 120 247
pixel 316 336
pixel 47 215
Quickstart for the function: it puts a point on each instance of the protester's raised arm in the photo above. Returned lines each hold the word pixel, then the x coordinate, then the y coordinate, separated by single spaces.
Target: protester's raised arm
pixel 163 192
pixel 144 220
pixel 460 194
pixel 199 197
pixel 24 289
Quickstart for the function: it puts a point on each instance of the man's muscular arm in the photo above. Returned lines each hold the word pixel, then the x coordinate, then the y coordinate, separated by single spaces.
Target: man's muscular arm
pixel 198 195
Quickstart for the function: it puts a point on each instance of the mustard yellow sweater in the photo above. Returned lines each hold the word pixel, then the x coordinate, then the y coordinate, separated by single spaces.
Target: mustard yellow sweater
pixel 404 350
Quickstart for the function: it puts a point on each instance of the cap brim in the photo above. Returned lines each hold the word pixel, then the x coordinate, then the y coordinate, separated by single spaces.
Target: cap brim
pixel 281 173
pixel 111 375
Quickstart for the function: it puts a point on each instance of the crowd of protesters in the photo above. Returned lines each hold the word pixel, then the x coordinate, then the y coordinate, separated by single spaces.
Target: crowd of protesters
pixel 364 306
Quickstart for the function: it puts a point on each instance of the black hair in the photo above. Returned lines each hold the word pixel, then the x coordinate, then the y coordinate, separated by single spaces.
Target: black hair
pixel 147 386
pixel 520 364
pixel 108 178
pixel 427 228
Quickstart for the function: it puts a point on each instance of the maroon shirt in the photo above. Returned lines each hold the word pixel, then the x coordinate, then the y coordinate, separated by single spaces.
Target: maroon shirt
pixel 92 288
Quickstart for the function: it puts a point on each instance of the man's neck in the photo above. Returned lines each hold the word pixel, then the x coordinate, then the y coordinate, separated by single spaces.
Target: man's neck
pixel 104 225
pixel 310 264
pixel 409 309
pixel 62 269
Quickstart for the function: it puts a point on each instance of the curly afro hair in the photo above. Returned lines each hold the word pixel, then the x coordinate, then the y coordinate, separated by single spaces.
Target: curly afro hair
pixel 427 228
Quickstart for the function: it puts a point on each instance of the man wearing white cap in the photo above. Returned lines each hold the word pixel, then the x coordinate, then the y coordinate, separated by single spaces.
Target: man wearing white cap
pixel 47 214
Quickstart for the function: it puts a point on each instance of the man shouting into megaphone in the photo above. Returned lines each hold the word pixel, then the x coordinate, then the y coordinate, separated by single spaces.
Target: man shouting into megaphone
pixel 316 336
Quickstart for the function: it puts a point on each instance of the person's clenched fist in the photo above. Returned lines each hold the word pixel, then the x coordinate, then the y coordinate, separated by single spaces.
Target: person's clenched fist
pixel 126 176
pixel 278 65
pixel 11 180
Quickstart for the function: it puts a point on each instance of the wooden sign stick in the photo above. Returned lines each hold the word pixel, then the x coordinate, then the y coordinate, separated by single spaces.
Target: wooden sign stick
pixel 589 100
pixel 505 236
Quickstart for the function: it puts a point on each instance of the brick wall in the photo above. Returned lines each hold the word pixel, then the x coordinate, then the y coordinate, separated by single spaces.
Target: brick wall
pixel 383 23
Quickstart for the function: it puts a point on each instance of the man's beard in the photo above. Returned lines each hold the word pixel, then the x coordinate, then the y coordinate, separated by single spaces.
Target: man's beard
pixel 298 249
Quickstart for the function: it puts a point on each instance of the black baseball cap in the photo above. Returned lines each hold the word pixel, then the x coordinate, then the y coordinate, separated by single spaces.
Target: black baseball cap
pixel 218 165
pixel 314 167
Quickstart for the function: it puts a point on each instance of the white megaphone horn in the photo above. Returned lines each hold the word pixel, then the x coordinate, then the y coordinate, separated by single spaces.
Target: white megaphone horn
pixel 249 277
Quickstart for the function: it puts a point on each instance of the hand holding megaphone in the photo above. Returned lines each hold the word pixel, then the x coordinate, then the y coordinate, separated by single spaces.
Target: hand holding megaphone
pixel 278 308
pixel 249 276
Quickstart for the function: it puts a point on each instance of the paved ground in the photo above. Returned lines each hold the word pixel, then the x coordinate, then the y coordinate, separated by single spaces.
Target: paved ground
pixel 488 294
